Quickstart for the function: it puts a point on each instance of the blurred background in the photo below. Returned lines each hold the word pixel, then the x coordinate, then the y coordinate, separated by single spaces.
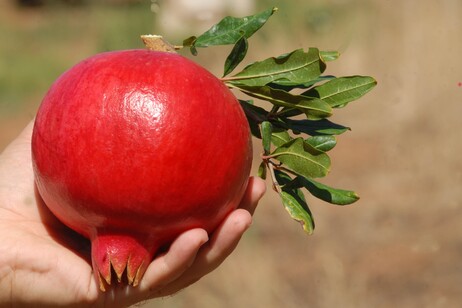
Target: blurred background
pixel 400 245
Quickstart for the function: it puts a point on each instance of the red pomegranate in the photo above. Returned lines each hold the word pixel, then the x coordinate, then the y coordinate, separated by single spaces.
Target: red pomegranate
pixel 131 148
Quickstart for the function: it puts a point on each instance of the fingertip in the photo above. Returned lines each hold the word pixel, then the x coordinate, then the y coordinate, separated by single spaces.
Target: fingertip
pixel 189 242
pixel 256 188
pixel 259 186
pixel 232 229
pixel 242 220
pixel 179 257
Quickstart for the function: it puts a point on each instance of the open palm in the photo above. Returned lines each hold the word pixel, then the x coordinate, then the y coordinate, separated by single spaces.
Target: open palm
pixel 44 263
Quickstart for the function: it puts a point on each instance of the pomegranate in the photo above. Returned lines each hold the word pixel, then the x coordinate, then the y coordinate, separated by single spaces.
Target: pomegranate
pixel 130 148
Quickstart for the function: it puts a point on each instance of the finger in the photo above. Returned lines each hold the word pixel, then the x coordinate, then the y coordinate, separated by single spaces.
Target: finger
pixel 256 188
pixel 224 240
pixel 175 261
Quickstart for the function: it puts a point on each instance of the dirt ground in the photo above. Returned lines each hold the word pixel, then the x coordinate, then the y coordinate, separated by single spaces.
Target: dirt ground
pixel 400 245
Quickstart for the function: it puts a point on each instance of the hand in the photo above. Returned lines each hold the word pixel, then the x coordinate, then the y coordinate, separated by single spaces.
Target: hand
pixel 44 263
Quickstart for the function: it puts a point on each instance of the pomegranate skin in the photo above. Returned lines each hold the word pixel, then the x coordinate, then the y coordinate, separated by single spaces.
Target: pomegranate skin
pixel 131 148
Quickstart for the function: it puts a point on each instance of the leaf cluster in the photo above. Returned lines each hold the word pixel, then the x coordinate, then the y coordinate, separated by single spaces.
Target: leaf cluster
pixel 295 128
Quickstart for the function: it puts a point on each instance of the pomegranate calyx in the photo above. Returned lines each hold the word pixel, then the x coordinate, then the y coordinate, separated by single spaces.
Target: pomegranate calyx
pixel 120 258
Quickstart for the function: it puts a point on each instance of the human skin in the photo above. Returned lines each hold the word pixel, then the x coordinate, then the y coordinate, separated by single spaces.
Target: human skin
pixel 44 264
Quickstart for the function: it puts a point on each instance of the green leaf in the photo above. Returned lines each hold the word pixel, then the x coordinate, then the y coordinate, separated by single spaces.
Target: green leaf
pixel 236 56
pixel 313 108
pixel 295 68
pixel 256 112
pixel 289 86
pixel 255 115
pixel 189 42
pixel 230 29
pixel 295 204
pixel 288 112
pixel 302 159
pixel 327 56
pixel 262 170
pixel 266 131
pixel 284 179
pixel 322 143
pixel 340 91
pixel 328 194
pixel 297 209
pixel 278 138
pixel 314 128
